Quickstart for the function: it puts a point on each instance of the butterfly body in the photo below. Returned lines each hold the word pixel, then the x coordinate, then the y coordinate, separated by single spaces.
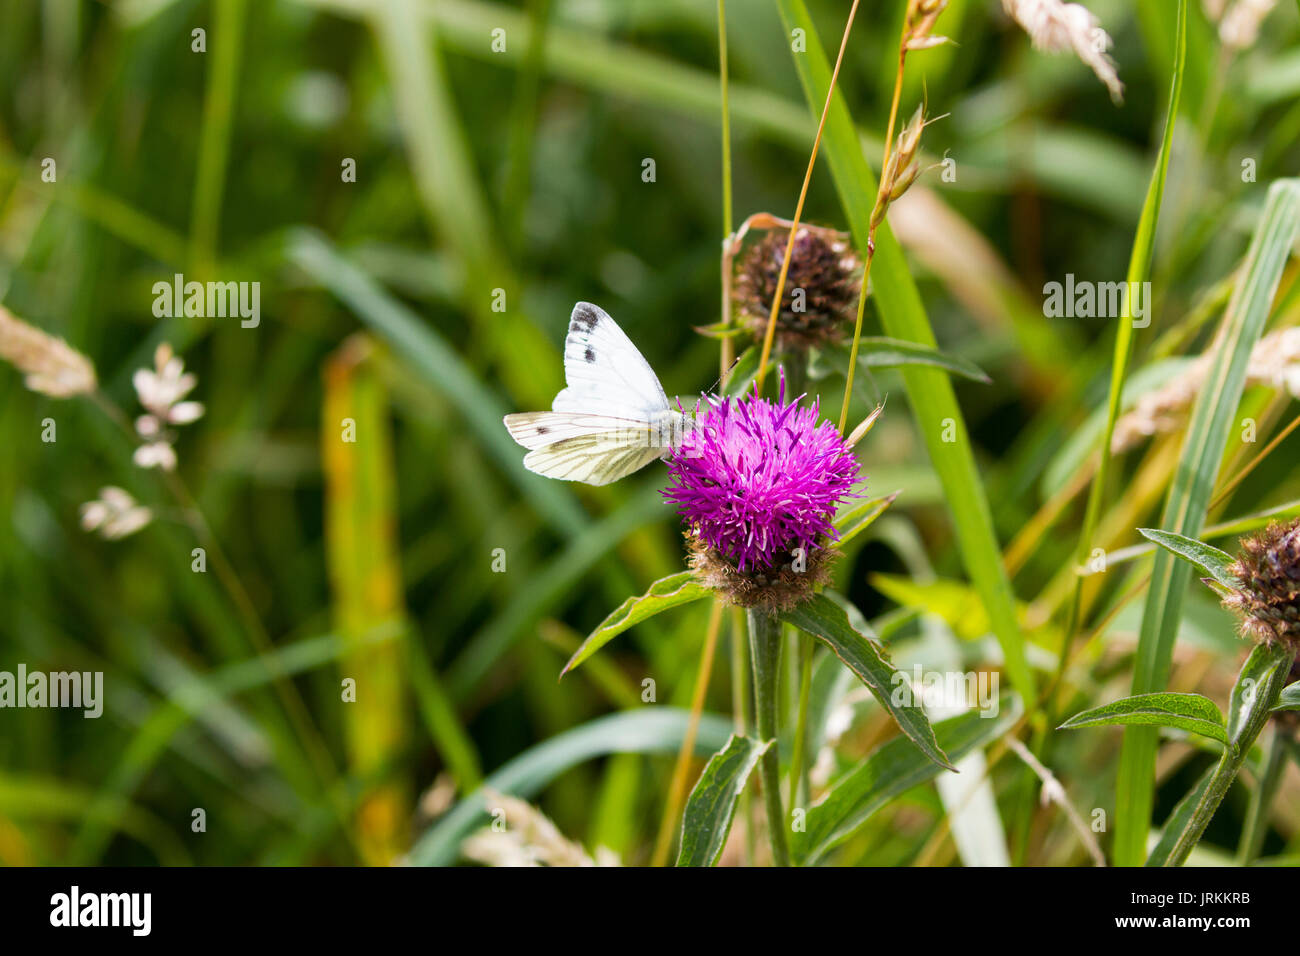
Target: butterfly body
pixel 611 418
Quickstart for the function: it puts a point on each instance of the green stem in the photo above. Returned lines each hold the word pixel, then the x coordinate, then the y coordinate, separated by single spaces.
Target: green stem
pixel 1252 836
pixel 1230 764
pixel 797 754
pixel 765 656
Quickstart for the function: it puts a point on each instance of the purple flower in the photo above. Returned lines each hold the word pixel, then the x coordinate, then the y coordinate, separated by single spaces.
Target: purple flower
pixel 756 479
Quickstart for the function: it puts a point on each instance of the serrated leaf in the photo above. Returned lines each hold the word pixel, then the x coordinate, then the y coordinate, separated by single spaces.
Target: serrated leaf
pixel 669 592
pixel 1217 564
pixel 829 623
pixel 1190 712
pixel 712 804
pixel 890 770
pixel 859 517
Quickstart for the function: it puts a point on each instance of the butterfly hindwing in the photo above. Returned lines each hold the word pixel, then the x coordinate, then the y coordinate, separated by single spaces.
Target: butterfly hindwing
pixel 594 459
pixel 538 429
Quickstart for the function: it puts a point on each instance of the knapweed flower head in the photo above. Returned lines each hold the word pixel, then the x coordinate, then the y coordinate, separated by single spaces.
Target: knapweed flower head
pixel 1268 599
pixel 820 297
pixel 757 484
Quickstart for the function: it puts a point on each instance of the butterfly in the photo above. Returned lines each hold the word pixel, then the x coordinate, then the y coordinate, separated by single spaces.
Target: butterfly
pixel 613 417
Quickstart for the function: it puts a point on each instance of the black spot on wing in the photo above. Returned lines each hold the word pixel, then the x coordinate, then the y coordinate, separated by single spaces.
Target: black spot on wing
pixel 584 319
pixel 589 356
pixel 542 429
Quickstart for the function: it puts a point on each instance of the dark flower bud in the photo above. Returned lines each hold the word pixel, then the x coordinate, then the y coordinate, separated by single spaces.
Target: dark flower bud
pixel 820 299
pixel 1268 599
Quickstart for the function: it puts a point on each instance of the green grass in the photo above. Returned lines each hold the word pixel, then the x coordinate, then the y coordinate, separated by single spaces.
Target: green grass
pixel 481 173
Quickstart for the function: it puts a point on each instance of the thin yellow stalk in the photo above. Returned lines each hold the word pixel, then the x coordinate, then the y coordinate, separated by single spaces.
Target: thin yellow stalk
pixel 882 194
pixel 1250 466
pixel 770 334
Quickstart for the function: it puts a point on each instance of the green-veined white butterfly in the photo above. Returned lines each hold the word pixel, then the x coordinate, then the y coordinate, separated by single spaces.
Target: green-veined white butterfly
pixel 612 418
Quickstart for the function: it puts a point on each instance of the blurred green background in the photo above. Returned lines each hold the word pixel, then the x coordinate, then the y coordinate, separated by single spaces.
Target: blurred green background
pixel 517 170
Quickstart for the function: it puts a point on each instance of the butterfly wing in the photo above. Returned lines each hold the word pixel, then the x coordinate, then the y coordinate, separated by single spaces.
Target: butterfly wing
pixel 538 429
pixel 612 417
pixel 596 459
pixel 605 372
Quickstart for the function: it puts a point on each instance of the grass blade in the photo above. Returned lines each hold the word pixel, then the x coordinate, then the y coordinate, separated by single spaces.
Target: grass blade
pixel 657 731
pixel 891 770
pixel 929 390
pixel 1189 498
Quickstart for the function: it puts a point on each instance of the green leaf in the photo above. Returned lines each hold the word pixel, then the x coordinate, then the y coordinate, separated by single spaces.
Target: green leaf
pixel 1217 564
pixel 929 390
pixel 1190 712
pixel 657 730
pixel 712 803
pixel 1290 699
pixel 1134 815
pixel 1253 696
pixel 1189 497
pixel 892 769
pixel 829 623
pixel 672 591
pixel 1266 666
pixel 884 352
pixel 1178 821
pixel 859 517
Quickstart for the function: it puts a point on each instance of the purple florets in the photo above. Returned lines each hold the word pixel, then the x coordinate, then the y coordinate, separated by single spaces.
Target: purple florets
pixel 756 479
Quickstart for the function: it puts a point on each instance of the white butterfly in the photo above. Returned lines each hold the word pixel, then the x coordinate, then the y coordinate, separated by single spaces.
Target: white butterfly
pixel 612 419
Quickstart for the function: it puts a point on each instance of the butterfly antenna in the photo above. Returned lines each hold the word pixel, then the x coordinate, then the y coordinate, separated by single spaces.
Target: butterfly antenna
pixel 727 374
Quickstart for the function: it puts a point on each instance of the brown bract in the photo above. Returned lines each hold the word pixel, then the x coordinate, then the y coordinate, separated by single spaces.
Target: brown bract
pixel 1268 600
pixel 772 589
pixel 821 290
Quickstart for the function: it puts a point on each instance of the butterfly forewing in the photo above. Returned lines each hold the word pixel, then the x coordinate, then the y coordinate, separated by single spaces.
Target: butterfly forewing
pixel 606 374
